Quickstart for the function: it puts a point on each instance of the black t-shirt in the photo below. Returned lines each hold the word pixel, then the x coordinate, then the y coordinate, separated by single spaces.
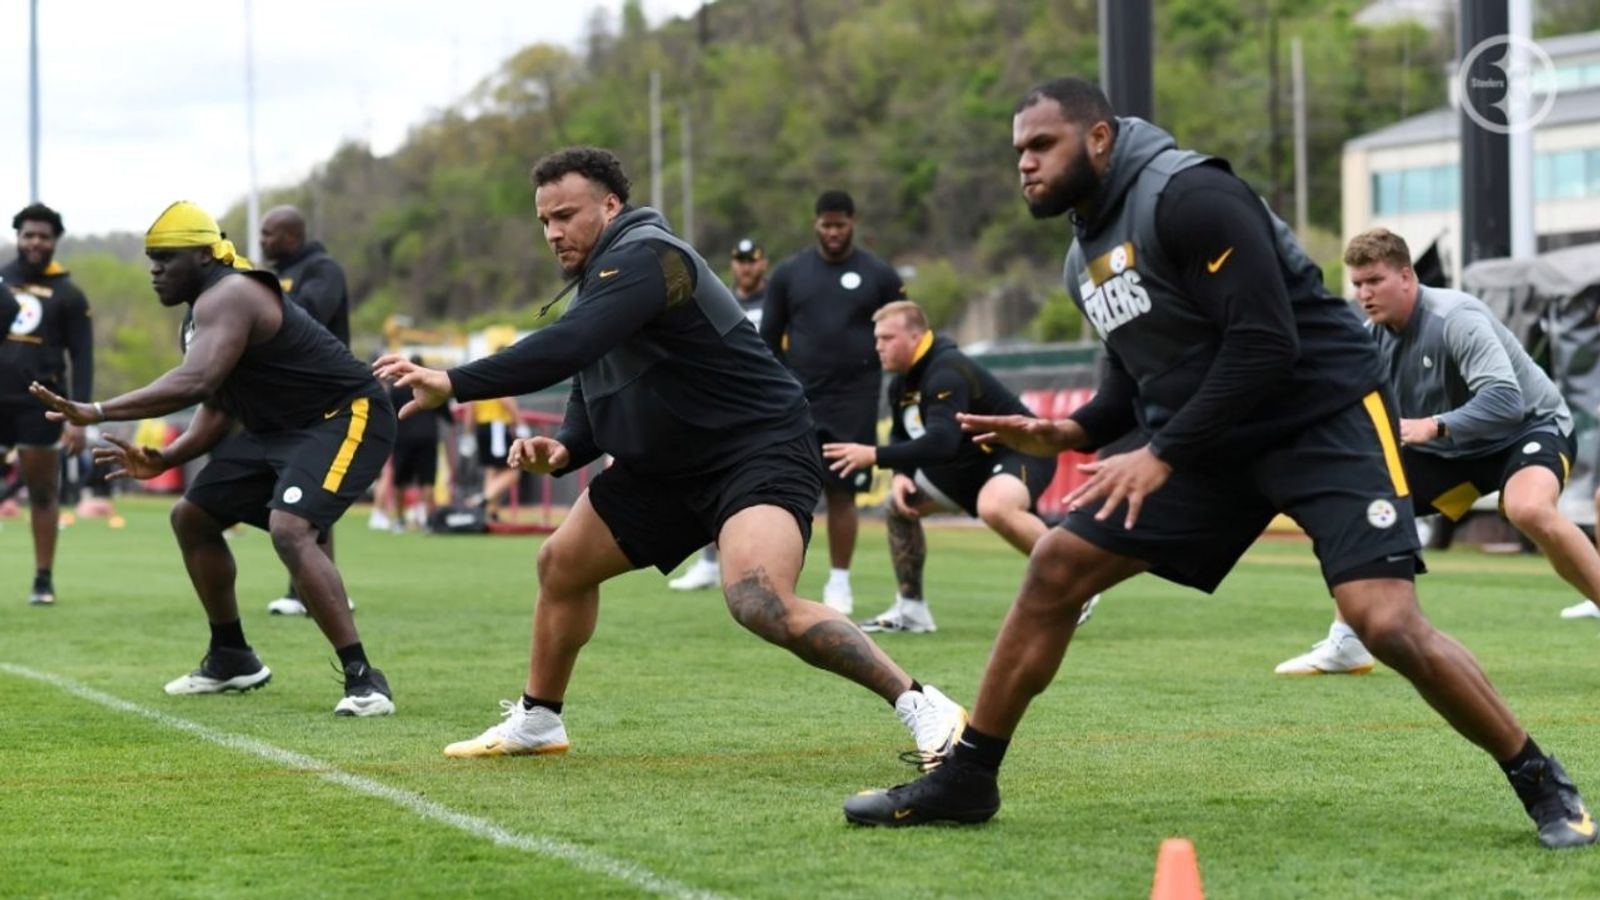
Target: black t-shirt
pixel 47 321
pixel 825 311
pixel 292 379
pixel 1287 353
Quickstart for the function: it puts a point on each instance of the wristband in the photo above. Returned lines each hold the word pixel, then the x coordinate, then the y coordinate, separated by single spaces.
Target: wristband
pixel 99 410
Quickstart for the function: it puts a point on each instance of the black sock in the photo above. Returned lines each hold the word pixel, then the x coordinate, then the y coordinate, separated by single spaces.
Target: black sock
pixel 1529 752
pixel 529 702
pixel 41 575
pixel 915 686
pixel 354 653
pixel 228 634
pixel 980 749
pixel 293 593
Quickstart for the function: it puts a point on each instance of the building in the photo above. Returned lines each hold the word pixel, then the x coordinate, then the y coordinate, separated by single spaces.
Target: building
pixel 1407 178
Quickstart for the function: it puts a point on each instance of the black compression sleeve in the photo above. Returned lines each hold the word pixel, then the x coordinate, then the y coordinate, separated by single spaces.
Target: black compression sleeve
pixel 1219 239
pixel 609 310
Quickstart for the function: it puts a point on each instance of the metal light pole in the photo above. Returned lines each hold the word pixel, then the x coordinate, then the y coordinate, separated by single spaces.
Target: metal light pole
pixel 253 201
pixel 33 100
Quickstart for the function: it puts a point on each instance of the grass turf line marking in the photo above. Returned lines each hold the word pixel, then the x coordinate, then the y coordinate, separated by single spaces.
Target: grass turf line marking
pixel 576 856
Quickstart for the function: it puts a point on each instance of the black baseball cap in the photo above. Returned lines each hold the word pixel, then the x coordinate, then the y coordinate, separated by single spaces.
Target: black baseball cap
pixel 747 250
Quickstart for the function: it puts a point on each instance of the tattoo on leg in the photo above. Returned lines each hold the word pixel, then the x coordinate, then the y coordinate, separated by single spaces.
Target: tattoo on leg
pixel 838 646
pixel 908 549
pixel 757 606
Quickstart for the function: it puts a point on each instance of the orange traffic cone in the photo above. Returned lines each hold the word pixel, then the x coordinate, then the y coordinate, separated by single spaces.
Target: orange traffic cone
pixel 1177 872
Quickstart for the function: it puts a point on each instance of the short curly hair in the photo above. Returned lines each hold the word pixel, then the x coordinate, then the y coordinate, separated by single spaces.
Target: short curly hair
pixel 1378 245
pixel 597 164
pixel 38 212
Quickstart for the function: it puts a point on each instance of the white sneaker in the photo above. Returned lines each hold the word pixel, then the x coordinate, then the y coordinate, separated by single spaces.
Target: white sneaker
pixel 935 722
pixel 291 606
pixel 1584 610
pixel 701 574
pixel 523 732
pixel 1088 609
pixel 838 597
pixel 912 618
pixel 223 669
pixel 379 520
pixel 1330 656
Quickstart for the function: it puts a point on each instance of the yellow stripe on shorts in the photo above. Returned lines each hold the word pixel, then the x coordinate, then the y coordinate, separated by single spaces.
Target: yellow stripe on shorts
pixel 1566 468
pixel 1391 450
pixel 347 450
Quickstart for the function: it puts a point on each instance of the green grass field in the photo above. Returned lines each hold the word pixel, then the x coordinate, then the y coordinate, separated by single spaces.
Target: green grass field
pixel 706 763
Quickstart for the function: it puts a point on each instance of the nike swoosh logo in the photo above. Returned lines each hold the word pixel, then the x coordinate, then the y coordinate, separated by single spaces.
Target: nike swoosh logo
pixel 609 272
pixel 330 414
pixel 902 813
pixel 1216 264
pixel 1585 828
pixel 942 394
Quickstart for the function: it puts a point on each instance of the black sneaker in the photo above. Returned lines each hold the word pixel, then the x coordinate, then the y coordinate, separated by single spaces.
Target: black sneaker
pixel 43 593
pixel 366 692
pixel 223 669
pixel 1552 801
pixel 954 792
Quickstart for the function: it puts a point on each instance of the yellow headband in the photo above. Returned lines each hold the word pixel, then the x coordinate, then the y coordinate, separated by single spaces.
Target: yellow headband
pixel 183 225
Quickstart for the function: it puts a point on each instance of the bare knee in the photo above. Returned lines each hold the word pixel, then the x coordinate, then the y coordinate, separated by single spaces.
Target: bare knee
pixel 1534 518
pixel 190 521
pixel 557 565
pixel 758 605
pixel 291 536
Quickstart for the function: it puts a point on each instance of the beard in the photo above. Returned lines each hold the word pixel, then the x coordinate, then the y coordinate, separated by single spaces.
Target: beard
pixel 1076 184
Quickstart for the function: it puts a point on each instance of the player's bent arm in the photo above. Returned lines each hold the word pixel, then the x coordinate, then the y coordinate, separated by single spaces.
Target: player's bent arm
pixel 207 429
pixel 222 323
pixel 1496 405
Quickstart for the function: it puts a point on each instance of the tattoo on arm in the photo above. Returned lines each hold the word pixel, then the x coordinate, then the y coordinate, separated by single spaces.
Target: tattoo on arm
pixel 834 644
pixel 908 550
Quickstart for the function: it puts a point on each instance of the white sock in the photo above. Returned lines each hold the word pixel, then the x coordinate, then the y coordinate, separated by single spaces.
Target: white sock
pixel 1339 631
pixel 839 577
pixel 917 600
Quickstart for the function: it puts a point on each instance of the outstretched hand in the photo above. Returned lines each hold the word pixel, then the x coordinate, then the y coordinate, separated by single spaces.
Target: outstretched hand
pixel 1124 478
pixel 130 461
pixel 1025 434
pixel 540 455
pixel 430 388
pixel 60 409
pixel 846 458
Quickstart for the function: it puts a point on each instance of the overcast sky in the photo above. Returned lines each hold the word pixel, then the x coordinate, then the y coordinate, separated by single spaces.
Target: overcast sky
pixel 143 103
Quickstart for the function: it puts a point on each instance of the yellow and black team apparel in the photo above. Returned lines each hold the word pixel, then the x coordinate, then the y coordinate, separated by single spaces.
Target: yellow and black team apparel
pixel 494 425
pixel 317 427
pixel 926 442
pixel 674 383
pixel 1260 389
pixel 47 320
pixel 817 318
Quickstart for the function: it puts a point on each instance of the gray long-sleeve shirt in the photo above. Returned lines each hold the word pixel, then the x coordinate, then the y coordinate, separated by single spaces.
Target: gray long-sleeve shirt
pixel 1455 360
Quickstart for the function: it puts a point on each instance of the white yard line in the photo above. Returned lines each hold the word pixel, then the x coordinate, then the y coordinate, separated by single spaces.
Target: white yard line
pixel 572 854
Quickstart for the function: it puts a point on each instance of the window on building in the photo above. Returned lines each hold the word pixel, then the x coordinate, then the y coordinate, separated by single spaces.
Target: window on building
pixel 1385 193
pixel 1561 175
pixel 1420 189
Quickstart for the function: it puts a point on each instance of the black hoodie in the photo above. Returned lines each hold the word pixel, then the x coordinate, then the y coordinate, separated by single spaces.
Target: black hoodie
pixel 47 321
pixel 672 378
pixel 941 382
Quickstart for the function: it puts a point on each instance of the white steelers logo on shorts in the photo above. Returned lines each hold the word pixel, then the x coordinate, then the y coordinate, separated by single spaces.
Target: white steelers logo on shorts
pixel 292 495
pixel 1381 513
pixel 850 280
pixel 998 467
pixel 1531 447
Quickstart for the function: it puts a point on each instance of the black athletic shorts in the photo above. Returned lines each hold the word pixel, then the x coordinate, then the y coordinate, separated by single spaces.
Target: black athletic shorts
pixel 22 424
pixel 1340 479
pixel 961 484
pixel 314 473
pixel 661 521
pixel 494 442
pixel 850 418
pixel 1450 486
pixel 416 462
